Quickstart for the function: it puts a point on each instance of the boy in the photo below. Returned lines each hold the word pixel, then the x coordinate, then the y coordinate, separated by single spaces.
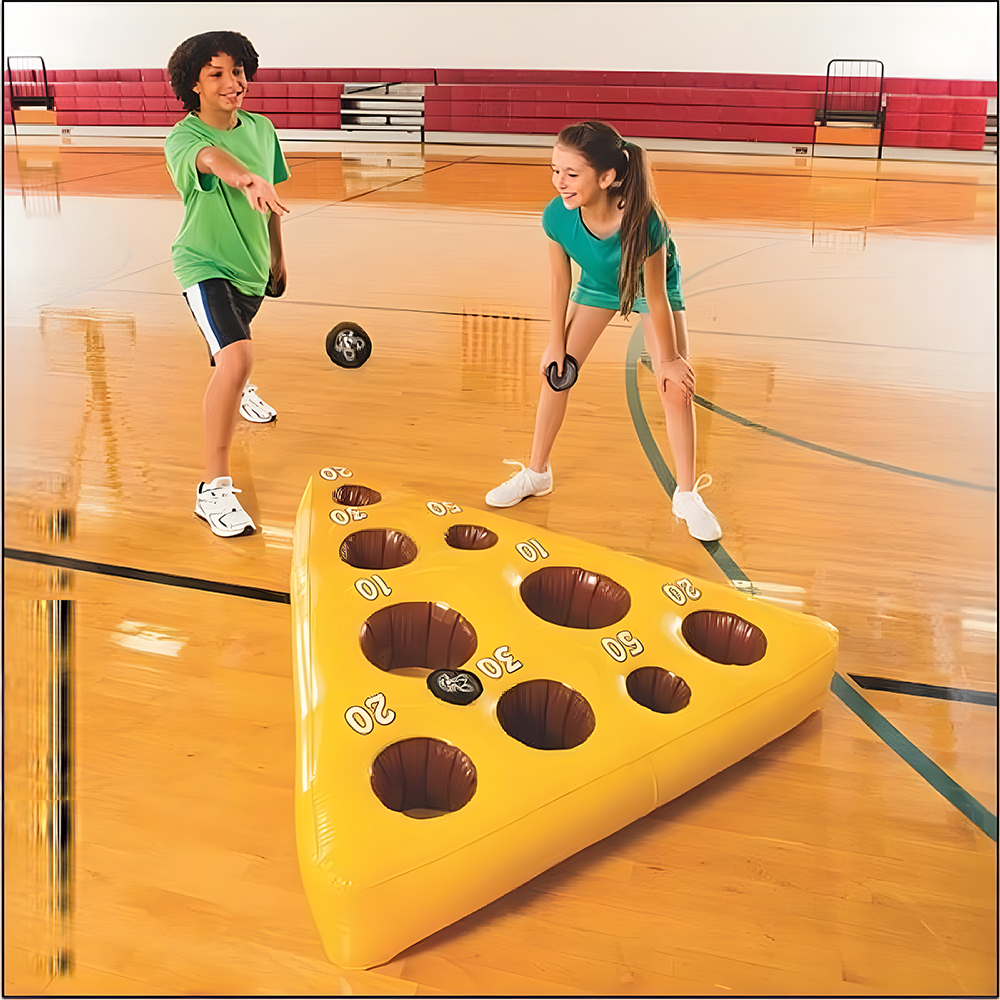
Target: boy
pixel 225 162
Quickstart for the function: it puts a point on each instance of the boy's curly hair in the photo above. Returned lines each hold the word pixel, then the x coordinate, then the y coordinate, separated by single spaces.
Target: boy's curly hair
pixel 190 56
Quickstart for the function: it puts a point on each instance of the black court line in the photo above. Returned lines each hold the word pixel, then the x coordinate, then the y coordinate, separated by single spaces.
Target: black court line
pixel 925 690
pixel 823 449
pixel 147 576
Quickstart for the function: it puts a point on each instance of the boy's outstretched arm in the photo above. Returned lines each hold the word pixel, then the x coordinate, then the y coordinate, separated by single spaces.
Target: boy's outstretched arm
pixel 260 194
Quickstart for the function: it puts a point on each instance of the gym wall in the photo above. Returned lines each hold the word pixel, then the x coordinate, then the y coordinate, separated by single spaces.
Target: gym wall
pixel 955 41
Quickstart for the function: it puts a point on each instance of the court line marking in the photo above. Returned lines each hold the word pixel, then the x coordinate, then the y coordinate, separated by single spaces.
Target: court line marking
pixel 665 168
pixel 147 576
pixel 823 449
pixel 920 690
pixel 837 343
pixel 962 800
pixel 966 803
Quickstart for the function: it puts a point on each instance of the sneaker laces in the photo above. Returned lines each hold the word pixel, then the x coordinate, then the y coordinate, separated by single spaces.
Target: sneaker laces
pixel 699 485
pixel 219 492
pixel 521 468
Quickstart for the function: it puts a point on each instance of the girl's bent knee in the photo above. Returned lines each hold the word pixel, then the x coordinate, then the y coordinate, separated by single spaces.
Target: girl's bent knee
pixel 673 395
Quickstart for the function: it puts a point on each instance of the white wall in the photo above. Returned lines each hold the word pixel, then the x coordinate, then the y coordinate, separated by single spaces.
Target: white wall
pixel 936 40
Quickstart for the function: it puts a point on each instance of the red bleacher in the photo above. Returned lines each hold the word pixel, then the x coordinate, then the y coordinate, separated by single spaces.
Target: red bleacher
pixel 741 107
pixel 721 106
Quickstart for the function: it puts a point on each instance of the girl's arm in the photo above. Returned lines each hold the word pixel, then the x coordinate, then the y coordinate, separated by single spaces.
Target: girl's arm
pixel 562 281
pixel 669 364
pixel 260 194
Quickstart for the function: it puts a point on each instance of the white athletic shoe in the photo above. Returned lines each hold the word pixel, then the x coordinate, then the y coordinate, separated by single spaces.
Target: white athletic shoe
pixel 216 503
pixel 253 408
pixel 690 507
pixel 522 484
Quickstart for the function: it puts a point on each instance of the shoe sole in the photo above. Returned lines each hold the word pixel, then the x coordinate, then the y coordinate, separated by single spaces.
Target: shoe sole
pixel 248 530
pixel 514 503
pixel 257 420
pixel 714 538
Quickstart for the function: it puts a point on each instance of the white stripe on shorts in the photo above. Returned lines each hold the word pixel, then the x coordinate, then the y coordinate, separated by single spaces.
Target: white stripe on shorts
pixel 196 300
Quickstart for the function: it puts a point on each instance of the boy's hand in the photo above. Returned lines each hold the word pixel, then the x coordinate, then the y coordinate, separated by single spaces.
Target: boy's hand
pixel 262 196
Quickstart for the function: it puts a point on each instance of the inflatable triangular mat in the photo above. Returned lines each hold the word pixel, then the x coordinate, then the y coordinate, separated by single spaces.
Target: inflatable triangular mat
pixel 478 699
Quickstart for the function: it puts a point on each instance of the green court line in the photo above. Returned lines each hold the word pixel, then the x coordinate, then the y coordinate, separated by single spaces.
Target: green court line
pixel 822 449
pixel 967 804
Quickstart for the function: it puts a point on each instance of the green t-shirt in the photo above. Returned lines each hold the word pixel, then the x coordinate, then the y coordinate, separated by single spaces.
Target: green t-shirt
pixel 222 236
pixel 600 260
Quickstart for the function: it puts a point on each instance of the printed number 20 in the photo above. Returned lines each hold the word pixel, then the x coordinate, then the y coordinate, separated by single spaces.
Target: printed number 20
pixel 682 591
pixel 362 720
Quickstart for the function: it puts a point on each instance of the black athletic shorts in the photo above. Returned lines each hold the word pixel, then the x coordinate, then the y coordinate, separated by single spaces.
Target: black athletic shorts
pixel 222 312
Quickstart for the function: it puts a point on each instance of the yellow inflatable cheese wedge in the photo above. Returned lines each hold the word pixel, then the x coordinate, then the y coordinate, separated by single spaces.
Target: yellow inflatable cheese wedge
pixel 478 699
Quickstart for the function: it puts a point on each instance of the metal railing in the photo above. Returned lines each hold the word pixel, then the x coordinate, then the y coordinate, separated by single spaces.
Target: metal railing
pixel 854 92
pixel 29 83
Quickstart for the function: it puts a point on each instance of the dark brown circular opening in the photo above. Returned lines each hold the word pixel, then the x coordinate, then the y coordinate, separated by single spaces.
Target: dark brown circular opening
pixel 423 777
pixel 352 495
pixel 417 637
pixel 378 548
pixel 470 536
pixel 545 715
pixel 724 637
pixel 657 689
pixel 574 597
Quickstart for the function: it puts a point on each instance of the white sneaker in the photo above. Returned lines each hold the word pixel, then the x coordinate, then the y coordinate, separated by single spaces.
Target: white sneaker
pixel 253 408
pixel 690 507
pixel 522 484
pixel 216 503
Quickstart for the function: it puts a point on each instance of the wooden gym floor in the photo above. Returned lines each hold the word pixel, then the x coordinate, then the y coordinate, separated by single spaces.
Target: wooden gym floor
pixel 843 327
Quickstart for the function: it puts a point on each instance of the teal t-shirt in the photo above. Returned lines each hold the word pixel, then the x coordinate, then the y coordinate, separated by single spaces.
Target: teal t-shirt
pixel 222 236
pixel 600 260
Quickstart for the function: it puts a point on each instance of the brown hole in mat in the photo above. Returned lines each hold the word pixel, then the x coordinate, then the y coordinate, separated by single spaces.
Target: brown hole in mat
pixel 545 715
pixel 417 635
pixel 352 495
pixel 724 637
pixel 378 548
pixel 470 536
pixel 574 597
pixel 423 777
pixel 657 689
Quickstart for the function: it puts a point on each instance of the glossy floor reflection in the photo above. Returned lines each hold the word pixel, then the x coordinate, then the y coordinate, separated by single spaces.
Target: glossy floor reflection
pixel 843 319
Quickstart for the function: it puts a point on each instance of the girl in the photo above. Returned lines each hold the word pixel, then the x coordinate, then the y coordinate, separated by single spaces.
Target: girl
pixel 606 218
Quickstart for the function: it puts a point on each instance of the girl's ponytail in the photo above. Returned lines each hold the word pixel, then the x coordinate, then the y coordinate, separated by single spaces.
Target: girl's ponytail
pixel 637 197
